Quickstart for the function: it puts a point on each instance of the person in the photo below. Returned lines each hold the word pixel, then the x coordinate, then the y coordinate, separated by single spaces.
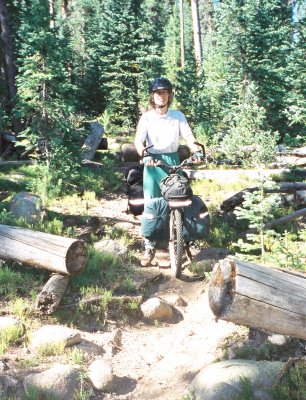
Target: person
pixel 161 128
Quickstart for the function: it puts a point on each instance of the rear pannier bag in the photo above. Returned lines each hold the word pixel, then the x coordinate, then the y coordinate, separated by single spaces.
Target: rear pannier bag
pixel 176 187
pixel 134 190
pixel 196 220
pixel 155 220
pixel 135 199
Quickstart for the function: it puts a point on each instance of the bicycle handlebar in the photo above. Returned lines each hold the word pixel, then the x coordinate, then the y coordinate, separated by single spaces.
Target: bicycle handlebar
pixel 175 167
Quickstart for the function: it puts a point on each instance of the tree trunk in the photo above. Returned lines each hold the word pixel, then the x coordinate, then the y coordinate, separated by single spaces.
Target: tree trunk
pixel 196 32
pixel 9 57
pixel 92 141
pixel 182 31
pixel 55 253
pixel 260 297
pixel 49 298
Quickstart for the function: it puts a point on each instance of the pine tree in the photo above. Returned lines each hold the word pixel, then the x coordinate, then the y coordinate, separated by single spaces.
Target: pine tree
pixel 119 55
pixel 45 95
pixel 256 38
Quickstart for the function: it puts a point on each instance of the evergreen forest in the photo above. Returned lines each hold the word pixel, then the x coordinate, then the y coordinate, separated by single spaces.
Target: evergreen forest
pixel 238 67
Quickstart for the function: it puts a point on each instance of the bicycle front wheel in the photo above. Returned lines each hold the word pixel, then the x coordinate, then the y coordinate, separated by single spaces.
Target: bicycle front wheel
pixel 176 243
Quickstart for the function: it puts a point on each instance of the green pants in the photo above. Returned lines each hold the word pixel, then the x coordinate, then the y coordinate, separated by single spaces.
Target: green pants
pixel 153 175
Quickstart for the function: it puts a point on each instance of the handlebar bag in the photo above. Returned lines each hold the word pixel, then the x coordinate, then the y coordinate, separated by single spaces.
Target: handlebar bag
pixel 176 187
pixel 196 220
pixel 155 220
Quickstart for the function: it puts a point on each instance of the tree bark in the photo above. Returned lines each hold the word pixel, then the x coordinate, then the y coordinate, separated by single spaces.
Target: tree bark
pixel 54 253
pixel 182 33
pixel 196 32
pixel 260 297
pixel 6 37
pixel 92 141
pixel 49 298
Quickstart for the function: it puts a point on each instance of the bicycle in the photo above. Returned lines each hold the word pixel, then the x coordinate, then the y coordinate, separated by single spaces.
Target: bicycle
pixel 177 205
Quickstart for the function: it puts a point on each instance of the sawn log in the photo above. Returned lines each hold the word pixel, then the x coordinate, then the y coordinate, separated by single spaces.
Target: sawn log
pixel 55 253
pixel 258 296
pixel 49 298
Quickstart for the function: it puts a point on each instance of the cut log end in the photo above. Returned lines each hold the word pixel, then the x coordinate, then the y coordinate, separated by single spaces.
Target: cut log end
pixel 221 287
pixel 49 298
pixel 76 258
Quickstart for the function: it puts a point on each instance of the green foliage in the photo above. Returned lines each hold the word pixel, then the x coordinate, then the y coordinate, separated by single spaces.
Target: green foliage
pixel 13 282
pixel 292 385
pixel 287 250
pixel 257 208
pixel 107 178
pixel 9 336
pixel 246 142
pixel 105 269
pixel 120 30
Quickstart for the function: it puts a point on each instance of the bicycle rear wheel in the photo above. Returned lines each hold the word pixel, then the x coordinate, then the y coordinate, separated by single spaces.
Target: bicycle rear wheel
pixel 176 243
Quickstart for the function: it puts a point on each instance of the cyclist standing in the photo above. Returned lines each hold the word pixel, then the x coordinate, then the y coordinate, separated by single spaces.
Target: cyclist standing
pixel 161 128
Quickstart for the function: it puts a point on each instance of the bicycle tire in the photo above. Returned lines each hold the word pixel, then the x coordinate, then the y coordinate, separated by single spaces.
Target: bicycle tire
pixel 176 243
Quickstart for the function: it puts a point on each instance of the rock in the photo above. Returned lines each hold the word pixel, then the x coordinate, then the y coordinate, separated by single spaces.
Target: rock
pixel 129 153
pixel 111 246
pixel 9 322
pixel 100 374
pixel 10 388
pixel 156 308
pixel 173 299
pixel 52 335
pixel 223 380
pixel 28 206
pixel 301 197
pixel 60 381
pixel 278 340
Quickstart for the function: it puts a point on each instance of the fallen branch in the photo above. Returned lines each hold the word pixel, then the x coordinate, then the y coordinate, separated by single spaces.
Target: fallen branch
pixel 279 221
pixel 237 199
pixel 20 162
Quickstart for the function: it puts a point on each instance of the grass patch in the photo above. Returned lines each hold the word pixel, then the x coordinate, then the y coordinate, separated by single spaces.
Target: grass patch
pixel 9 336
pixel 292 385
pixel 14 282
pixel 51 349
pixel 105 270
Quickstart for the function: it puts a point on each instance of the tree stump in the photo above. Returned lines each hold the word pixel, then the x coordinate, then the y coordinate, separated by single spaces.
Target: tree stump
pixel 257 296
pixel 92 141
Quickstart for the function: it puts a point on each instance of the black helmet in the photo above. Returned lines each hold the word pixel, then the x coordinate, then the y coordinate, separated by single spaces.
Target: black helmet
pixel 160 83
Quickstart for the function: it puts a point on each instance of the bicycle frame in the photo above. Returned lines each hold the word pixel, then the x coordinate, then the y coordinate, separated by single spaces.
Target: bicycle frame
pixel 176 206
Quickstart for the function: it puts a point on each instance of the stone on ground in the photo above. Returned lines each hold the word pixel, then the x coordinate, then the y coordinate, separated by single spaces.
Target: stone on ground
pixel 53 335
pixel 100 374
pixel 156 308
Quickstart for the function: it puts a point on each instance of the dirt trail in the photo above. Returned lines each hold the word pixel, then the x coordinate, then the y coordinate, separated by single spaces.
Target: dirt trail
pixel 159 360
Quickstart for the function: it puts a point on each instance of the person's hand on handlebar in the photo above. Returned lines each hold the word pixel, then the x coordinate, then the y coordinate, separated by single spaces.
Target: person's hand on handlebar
pixel 198 157
pixel 148 160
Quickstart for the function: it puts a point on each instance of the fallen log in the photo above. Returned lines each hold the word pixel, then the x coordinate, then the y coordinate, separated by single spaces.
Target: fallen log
pixel 237 199
pixel 4 194
pixel 283 220
pixel 15 163
pixel 260 297
pixel 55 253
pixel 49 298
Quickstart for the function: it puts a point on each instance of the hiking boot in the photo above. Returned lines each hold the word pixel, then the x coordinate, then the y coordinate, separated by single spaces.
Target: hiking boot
pixel 147 257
